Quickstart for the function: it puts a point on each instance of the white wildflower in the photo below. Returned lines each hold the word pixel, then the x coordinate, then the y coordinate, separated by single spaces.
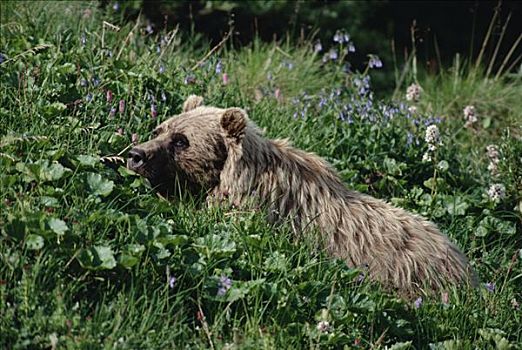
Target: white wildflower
pixel 426 157
pixel 470 116
pixel 323 326
pixel 413 92
pixel 494 159
pixel 493 153
pixel 432 135
pixel 496 192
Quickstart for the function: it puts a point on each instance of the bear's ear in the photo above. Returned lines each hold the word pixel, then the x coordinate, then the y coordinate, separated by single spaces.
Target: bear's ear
pixel 192 102
pixel 234 121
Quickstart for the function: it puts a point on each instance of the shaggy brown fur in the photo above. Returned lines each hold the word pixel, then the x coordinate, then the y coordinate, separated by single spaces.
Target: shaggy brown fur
pixel 221 153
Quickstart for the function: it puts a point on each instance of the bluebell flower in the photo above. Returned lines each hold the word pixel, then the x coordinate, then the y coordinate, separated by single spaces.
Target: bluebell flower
pixel 318 47
pixel 172 281
pixel 351 47
pixel 288 65
pixel 374 62
pixel 361 277
pixel 338 37
pixel 116 6
pixel 153 111
pixel 490 287
pixel 149 29
pixel 189 79
pixel 161 69
pixel 418 302
pixel 224 284
pixel 95 81
pixel 409 138
pixel 219 67
pixel 89 97
pixel 112 112
pixel 333 55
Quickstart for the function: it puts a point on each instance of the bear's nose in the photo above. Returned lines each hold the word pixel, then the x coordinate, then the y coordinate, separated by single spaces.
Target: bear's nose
pixel 137 157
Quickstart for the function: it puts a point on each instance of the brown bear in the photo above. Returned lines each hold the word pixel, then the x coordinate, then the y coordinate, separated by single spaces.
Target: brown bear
pixel 221 153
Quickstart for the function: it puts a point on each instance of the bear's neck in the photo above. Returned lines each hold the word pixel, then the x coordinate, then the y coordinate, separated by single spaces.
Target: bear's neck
pixel 284 180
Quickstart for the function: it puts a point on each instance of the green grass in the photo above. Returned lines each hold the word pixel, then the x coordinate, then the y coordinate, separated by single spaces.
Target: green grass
pixel 88 251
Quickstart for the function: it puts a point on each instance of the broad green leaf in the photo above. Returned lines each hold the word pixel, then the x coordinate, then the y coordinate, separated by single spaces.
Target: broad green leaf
pixel 87 160
pixel 106 257
pixel 98 185
pixel 58 226
pixel 456 205
pixel 34 242
pixel 128 261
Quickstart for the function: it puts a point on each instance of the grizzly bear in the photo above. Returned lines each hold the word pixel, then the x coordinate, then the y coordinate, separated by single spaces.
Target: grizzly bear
pixel 222 154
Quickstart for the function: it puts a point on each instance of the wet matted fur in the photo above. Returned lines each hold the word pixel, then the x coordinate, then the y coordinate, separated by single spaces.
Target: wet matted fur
pixel 221 153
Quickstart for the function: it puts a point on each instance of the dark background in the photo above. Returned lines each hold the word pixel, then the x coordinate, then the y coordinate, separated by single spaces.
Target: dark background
pixel 450 26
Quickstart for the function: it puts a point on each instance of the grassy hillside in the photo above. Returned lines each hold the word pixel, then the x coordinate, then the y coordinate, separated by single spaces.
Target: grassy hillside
pixel 90 257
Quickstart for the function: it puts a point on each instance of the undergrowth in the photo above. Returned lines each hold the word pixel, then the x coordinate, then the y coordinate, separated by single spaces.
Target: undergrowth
pixel 92 258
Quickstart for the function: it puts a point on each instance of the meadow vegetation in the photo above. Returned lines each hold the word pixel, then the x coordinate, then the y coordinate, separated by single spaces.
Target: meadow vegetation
pixel 91 257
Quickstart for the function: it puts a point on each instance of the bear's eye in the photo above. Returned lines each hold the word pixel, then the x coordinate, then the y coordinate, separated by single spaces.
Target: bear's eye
pixel 179 142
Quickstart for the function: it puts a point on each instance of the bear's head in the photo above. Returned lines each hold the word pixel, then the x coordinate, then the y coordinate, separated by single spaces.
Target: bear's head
pixel 187 152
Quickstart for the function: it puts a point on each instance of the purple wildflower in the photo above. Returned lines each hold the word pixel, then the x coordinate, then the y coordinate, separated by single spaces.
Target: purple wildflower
pixel 96 81
pixel 109 95
pixel 351 47
pixel 172 281
pixel 161 69
pixel 333 55
pixel 153 111
pixel 418 302
pixel 490 287
pixel 374 62
pixel 361 277
pixel 288 65
pixel 149 29
pixel 318 47
pixel 219 67
pixel 189 79
pixel 121 106
pixel 116 6
pixel 224 284
pixel 89 97
pixel 112 113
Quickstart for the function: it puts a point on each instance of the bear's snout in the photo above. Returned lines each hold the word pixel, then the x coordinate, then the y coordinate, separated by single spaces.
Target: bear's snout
pixel 136 158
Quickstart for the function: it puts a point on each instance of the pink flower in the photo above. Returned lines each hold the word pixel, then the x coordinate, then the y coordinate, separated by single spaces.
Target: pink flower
pixel 119 131
pixel 134 138
pixel 109 95
pixel 122 106
pixel 277 93
pixel 225 78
